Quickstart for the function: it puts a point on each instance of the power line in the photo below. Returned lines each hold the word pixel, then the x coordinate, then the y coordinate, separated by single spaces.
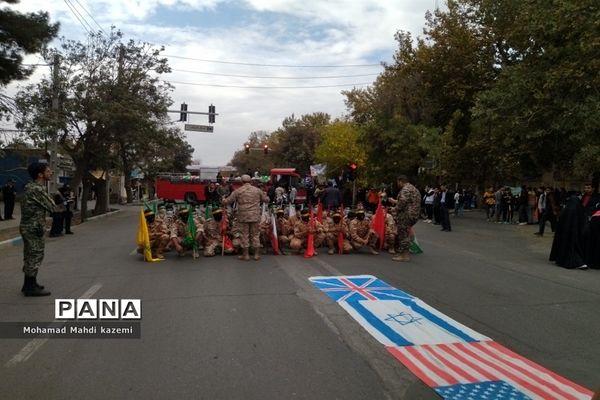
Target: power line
pixel 273 65
pixel 75 14
pixel 93 19
pixel 273 77
pixel 269 87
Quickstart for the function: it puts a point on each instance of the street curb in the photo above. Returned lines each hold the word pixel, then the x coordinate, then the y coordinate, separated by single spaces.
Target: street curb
pixel 18 241
pixel 103 215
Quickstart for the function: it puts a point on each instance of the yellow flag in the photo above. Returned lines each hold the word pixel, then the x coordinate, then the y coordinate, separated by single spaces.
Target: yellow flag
pixel 143 238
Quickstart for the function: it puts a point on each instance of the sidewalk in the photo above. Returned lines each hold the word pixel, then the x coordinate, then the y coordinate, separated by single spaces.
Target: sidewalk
pixel 9 229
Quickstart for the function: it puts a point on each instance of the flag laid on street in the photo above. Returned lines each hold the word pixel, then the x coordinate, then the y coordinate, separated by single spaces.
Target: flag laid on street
pixel 454 360
pixel 407 322
pixel 358 287
pixel 484 370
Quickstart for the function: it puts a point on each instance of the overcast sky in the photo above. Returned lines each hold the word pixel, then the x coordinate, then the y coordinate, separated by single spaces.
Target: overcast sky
pixel 285 34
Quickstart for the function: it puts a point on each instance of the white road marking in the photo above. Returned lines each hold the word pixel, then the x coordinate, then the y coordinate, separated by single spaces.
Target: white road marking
pixel 31 347
pixel 133 252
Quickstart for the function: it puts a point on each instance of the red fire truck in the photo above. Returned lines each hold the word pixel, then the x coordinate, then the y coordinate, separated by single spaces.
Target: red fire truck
pixel 190 188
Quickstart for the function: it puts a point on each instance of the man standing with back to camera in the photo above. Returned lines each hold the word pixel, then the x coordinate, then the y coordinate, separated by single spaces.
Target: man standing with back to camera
pixel 248 198
pixel 408 209
pixel 36 203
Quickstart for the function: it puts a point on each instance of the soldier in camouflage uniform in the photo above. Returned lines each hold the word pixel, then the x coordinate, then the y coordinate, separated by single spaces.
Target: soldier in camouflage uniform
pixel 265 230
pixel 408 209
pixel 283 229
pixel 235 233
pixel 212 234
pixel 159 232
pixel 334 225
pixel 199 221
pixel 34 207
pixel 361 233
pixel 391 232
pixel 298 239
pixel 178 232
pixel 248 199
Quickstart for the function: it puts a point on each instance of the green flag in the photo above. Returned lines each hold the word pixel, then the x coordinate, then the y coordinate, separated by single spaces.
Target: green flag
pixel 190 232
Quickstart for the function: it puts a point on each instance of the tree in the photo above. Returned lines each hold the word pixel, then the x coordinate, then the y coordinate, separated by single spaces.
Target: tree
pixel 295 142
pixel 112 112
pixel 21 34
pixel 340 146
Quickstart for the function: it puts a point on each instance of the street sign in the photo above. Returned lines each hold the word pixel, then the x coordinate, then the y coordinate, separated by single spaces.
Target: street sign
pixel 198 128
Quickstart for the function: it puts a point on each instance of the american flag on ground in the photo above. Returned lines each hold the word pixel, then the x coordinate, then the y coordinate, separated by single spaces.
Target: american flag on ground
pixel 484 370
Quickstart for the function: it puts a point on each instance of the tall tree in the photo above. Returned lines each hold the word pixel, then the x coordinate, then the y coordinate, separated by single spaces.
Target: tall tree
pixel 298 138
pixel 21 34
pixel 109 102
pixel 340 146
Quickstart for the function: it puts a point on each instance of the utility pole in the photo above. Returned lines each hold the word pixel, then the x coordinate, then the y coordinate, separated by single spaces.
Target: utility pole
pixel 54 139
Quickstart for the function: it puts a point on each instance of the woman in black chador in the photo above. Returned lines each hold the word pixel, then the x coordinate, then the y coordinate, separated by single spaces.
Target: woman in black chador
pixel 593 242
pixel 568 246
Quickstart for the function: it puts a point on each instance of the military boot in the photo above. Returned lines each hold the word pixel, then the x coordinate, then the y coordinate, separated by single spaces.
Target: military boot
pixel 32 290
pixel 402 257
pixel 245 255
pixel 256 254
pixel 25 285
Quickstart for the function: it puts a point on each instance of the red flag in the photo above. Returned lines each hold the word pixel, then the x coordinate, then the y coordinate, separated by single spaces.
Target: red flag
pixel 224 223
pixel 378 223
pixel 274 236
pixel 310 239
pixel 320 212
pixel 227 245
pixel 341 232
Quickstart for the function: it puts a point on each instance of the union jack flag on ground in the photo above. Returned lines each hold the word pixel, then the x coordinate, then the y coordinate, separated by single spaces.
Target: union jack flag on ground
pixel 356 288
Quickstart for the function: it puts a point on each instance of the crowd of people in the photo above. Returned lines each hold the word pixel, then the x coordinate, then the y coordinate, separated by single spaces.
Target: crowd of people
pixel 241 224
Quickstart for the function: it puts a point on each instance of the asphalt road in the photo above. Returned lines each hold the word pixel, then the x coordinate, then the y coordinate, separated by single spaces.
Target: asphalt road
pixel 220 328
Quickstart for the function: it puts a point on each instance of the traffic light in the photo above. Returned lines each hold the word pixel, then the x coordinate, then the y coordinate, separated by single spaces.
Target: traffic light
pixel 247 148
pixel 211 114
pixel 352 171
pixel 266 148
pixel 183 115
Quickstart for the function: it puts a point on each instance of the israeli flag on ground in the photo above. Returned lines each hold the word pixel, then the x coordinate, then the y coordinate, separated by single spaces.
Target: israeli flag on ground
pixel 408 322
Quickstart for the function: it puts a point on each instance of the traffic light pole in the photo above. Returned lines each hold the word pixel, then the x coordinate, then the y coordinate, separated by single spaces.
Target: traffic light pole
pixel 192 112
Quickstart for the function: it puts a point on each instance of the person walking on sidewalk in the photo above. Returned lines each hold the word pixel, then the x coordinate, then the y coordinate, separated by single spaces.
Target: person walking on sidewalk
pixel 36 204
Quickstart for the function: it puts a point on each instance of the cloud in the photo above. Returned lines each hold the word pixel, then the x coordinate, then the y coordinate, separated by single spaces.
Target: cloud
pixel 290 32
